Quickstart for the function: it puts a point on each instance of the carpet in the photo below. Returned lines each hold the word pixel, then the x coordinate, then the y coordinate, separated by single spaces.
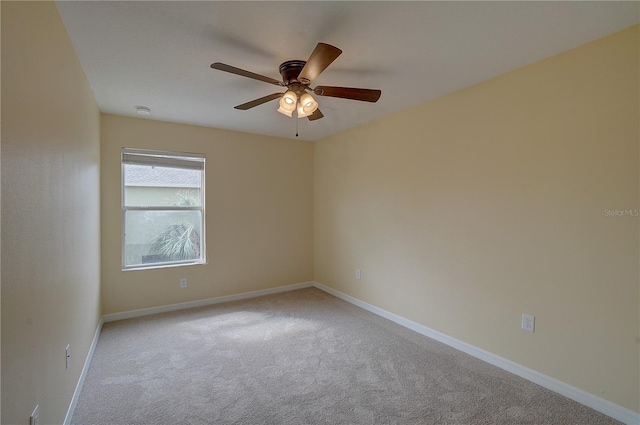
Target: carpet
pixel 300 357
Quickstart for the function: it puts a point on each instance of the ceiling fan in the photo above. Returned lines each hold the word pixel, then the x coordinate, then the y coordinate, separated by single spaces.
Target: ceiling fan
pixel 297 76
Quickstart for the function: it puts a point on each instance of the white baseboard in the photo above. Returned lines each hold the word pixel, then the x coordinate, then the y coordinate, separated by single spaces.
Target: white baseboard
pixel 200 303
pixel 83 375
pixel 597 403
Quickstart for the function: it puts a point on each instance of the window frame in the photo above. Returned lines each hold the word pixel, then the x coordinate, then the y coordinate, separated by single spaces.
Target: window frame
pixel 171 159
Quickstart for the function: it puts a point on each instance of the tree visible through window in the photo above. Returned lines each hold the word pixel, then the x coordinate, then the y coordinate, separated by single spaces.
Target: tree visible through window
pixel 162 208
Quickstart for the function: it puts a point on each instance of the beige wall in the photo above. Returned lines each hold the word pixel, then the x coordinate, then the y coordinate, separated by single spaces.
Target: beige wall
pixel 50 214
pixel 462 213
pixel 466 211
pixel 259 195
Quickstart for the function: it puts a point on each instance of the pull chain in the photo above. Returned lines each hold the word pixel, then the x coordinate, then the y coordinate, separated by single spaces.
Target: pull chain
pixel 297 126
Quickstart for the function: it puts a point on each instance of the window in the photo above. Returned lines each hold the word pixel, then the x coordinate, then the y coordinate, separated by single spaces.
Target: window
pixel 162 209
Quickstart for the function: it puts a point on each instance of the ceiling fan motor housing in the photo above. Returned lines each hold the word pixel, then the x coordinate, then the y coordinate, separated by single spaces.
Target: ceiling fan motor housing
pixel 290 71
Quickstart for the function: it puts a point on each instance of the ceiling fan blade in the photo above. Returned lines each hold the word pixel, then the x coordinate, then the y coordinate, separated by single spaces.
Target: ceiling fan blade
pixel 367 95
pixel 320 59
pixel 233 70
pixel 315 116
pixel 257 102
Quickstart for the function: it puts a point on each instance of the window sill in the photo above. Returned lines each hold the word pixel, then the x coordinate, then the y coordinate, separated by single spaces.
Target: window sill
pixel 163 266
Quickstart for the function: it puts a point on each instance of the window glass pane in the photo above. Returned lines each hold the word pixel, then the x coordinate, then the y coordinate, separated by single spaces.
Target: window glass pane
pixel 162 237
pixel 146 186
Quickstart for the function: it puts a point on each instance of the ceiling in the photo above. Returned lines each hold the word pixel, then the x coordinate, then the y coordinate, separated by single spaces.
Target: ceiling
pixel 158 53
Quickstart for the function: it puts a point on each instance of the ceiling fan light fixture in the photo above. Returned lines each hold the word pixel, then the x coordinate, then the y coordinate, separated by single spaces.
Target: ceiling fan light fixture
pixel 307 105
pixel 288 101
pixel 285 112
pixel 301 112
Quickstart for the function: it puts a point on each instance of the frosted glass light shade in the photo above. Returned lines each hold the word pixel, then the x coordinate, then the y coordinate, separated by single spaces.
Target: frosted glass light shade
pixel 285 112
pixel 301 112
pixel 306 106
pixel 288 103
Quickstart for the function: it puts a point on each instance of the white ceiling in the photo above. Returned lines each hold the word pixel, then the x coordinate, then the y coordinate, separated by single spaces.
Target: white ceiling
pixel 158 53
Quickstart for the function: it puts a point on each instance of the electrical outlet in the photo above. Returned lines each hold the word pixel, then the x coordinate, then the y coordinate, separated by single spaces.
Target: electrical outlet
pixel 358 275
pixel 528 322
pixel 183 282
pixel 33 419
pixel 67 356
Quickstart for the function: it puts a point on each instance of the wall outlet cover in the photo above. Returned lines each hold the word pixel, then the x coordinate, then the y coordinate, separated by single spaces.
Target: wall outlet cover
pixel 528 322
pixel 33 419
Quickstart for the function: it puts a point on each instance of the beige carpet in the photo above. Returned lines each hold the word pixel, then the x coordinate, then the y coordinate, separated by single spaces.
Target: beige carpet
pixel 301 357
